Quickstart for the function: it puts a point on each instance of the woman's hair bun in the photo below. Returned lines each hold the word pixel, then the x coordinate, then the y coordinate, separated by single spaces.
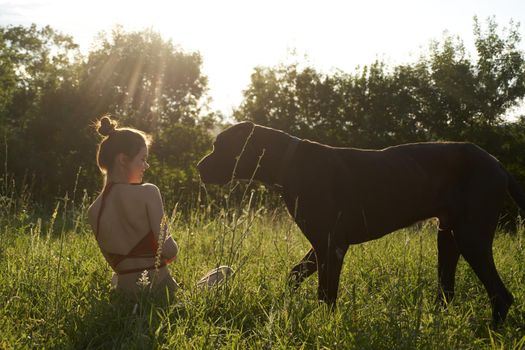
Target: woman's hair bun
pixel 106 126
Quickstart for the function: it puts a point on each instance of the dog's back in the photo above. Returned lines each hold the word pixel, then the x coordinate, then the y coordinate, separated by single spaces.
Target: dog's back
pixel 399 185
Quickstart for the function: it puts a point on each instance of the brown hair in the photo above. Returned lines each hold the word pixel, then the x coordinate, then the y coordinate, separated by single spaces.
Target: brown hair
pixel 117 140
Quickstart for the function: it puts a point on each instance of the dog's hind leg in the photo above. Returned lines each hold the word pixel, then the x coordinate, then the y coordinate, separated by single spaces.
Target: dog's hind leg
pixel 448 256
pixel 303 270
pixel 329 264
pixel 475 244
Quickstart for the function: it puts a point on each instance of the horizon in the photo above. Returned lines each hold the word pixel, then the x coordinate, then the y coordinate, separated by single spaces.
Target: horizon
pixel 234 37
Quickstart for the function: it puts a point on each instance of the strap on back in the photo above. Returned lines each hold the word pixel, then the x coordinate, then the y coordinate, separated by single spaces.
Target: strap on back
pixel 105 192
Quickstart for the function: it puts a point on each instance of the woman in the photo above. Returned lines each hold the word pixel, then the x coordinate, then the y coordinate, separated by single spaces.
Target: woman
pixel 127 216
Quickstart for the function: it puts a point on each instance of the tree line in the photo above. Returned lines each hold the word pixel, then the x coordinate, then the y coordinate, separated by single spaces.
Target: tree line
pixel 50 94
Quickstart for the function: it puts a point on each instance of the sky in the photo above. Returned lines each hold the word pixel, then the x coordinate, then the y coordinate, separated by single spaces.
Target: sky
pixel 233 37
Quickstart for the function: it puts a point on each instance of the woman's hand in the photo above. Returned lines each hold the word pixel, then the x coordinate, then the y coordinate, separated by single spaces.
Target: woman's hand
pixel 169 250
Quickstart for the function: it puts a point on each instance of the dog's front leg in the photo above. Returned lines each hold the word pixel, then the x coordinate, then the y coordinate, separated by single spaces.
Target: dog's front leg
pixel 303 270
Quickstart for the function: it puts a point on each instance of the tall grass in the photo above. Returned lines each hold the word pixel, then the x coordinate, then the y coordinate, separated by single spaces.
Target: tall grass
pixel 55 289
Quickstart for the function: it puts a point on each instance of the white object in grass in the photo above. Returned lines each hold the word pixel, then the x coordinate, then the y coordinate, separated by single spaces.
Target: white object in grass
pixel 215 276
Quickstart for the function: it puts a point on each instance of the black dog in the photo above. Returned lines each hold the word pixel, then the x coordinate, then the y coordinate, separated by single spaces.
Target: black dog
pixel 342 196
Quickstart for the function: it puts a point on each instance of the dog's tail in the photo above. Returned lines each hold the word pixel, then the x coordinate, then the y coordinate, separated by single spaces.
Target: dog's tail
pixel 516 192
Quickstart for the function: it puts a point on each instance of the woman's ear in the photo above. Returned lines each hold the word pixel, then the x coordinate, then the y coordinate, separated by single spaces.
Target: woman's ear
pixel 122 159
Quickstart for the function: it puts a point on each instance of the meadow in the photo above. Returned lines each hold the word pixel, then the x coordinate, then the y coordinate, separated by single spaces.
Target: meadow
pixel 55 289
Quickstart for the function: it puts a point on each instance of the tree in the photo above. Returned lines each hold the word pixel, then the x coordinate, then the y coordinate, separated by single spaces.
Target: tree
pixel 146 80
pixel 35 64
pixel 445 95
pixel 32 61
pixel 53 96
pixel 500 71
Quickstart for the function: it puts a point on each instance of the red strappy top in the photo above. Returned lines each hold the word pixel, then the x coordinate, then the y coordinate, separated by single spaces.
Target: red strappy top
pixel 145 248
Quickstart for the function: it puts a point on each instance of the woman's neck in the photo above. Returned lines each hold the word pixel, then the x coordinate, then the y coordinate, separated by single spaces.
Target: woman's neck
pixel 116 178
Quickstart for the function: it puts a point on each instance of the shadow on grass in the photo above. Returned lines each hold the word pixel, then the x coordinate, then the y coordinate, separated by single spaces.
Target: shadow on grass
pixel 206 318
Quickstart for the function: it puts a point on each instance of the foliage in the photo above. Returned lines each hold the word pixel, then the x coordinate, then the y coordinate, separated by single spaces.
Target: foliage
pixel 37 70
pixel 445 95
pixel 52 96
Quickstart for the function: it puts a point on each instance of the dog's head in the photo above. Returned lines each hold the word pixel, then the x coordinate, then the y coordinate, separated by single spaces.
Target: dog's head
pixel 234 156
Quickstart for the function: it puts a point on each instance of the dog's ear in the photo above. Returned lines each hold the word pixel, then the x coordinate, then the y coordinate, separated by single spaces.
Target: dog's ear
pixel 248 125
pixel 239 128
pixel 243 129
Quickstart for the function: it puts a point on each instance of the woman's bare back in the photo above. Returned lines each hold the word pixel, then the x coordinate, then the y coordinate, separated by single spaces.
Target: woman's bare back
pixel 129 213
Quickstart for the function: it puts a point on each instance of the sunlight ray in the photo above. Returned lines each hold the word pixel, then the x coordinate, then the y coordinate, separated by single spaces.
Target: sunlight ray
pixel 133 84
pixel 159 84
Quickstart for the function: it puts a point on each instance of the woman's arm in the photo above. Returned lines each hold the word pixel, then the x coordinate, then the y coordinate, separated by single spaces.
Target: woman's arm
pixel 155 210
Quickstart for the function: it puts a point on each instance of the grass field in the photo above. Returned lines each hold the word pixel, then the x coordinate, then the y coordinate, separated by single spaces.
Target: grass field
pixel 55 291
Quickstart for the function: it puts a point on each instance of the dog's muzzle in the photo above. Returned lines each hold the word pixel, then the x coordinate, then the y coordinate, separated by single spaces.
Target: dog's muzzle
pixel 202 168
pixel 209 173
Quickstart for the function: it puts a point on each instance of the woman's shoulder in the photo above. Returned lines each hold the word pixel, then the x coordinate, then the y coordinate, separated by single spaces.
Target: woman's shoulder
pixel 150 188
pixel 150 191
pixel 141 188
pixel 141 192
